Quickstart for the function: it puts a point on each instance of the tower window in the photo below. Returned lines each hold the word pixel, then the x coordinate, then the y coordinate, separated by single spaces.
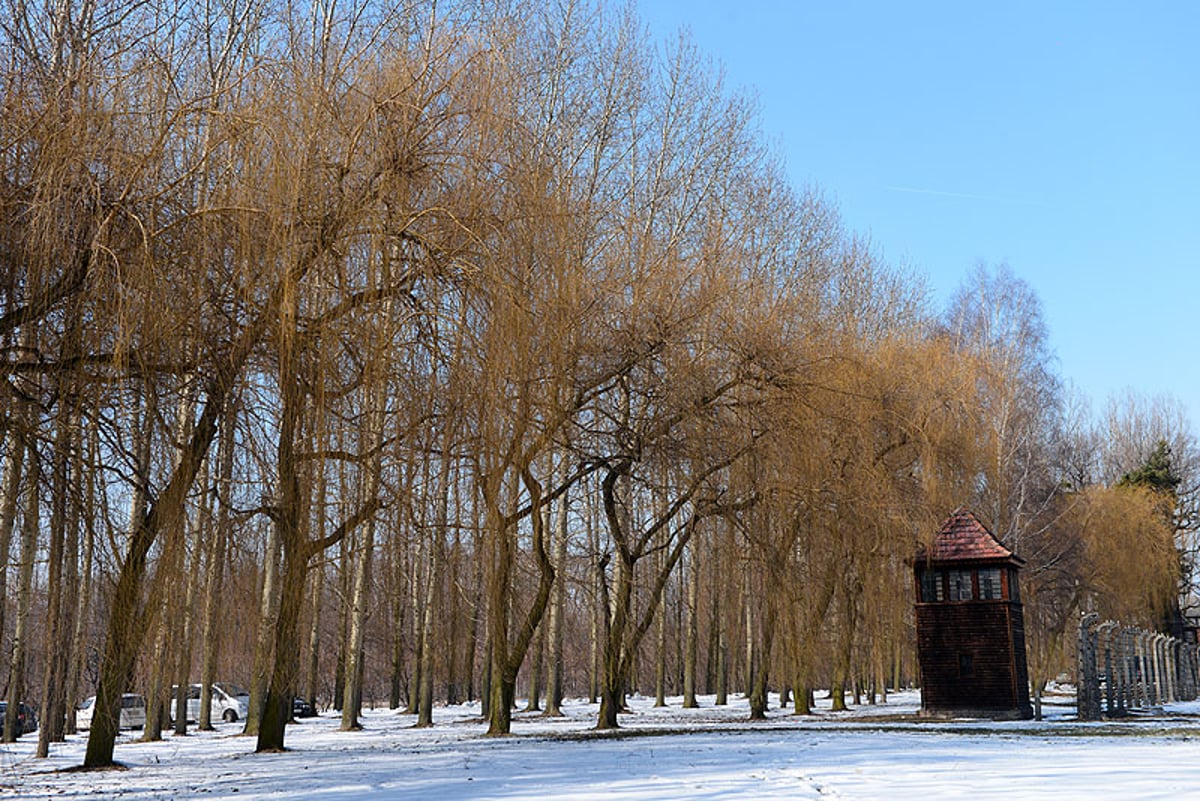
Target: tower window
pixel 989 584
pixel 932 587
pixel 961 588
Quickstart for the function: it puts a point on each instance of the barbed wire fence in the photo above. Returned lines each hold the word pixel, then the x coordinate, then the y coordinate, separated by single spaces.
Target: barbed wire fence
pixel 1125 670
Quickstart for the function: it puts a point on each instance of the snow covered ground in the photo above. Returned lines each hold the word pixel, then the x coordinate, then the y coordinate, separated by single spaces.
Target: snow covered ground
pixel 872 752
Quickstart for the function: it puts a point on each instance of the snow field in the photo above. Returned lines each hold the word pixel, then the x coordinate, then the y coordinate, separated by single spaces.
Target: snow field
pixel 872 752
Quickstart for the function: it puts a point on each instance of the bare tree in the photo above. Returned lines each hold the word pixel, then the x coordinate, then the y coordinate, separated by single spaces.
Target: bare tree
pixel 29 532
pixel 214 568
pixel 558 611
pixel 997 317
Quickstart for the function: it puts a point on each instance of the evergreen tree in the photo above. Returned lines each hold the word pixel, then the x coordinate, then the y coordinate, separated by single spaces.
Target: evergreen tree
pixel 1158 476
pixel 1156 473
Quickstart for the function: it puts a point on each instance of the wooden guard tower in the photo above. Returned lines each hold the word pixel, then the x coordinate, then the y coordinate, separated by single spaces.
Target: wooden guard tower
pixel 970 628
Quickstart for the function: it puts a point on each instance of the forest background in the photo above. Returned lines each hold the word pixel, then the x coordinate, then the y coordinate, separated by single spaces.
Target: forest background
pixel 411 353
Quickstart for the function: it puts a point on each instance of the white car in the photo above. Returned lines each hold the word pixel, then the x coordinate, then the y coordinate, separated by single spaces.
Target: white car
pixel 229 702
pixel 133 712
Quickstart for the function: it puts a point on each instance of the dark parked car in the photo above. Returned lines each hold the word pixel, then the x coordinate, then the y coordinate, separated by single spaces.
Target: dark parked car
pixel 302 708
pixel 26 717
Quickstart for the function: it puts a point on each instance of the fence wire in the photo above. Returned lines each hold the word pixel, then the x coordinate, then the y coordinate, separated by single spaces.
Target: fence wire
pixel 1124 670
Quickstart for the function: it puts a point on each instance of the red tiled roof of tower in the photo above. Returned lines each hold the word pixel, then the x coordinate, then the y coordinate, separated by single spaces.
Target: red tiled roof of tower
pixel 964 538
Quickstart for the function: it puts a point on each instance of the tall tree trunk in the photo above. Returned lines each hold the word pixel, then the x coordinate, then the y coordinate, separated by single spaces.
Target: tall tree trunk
pixel 507 656
pixel 501 687
pixel 319 575
pixel 345 583
pixel 624 632
pixel 478 622
pixel 10 492
pixel 88 468
pixel 290 520
pixel 158 702
pixel 801 694
pixel 722 669
pixel 29 532
pixel 315 596
pixel 748 632
pixel 417 622
pixel 398 614
pixel 73 580
pixel 485 681
pixel 758 685
pixel 352 692
pixel 879 676
pixel 660 654
pixel 534 702
pixel 147 408
pixel 180 581
pixel 599 615
pixel 554 674
pixel 210 640
pixel 264 642
pixel 401 554
pixel 897 666
pixel 298 552
pixel 161 700
pixel 420 582
pixel 611 683
pixel 288 534
pixel 191 577
pixel 376 400
pixel 692 635
pixel 425 703
pixel 415 583
pixel 54 668
pixel 433 577
pixel 670 530
pixel 714 642
pixel 285 667
pixel 456 652
pixel 845 653
pixel 18 442
pixel 167 695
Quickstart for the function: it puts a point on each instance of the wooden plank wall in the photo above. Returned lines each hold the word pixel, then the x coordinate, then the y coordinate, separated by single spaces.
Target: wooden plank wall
pixel 973 657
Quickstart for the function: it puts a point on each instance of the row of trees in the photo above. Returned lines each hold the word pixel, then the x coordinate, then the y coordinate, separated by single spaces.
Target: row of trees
pixel 362 349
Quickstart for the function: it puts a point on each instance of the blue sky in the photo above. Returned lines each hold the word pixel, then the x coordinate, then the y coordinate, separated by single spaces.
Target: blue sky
pixel 1060 138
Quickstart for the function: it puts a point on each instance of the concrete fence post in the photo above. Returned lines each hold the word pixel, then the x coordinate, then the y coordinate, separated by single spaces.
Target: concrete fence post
pixel 1087 693
pixel 1140 669
pixel 1111 680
